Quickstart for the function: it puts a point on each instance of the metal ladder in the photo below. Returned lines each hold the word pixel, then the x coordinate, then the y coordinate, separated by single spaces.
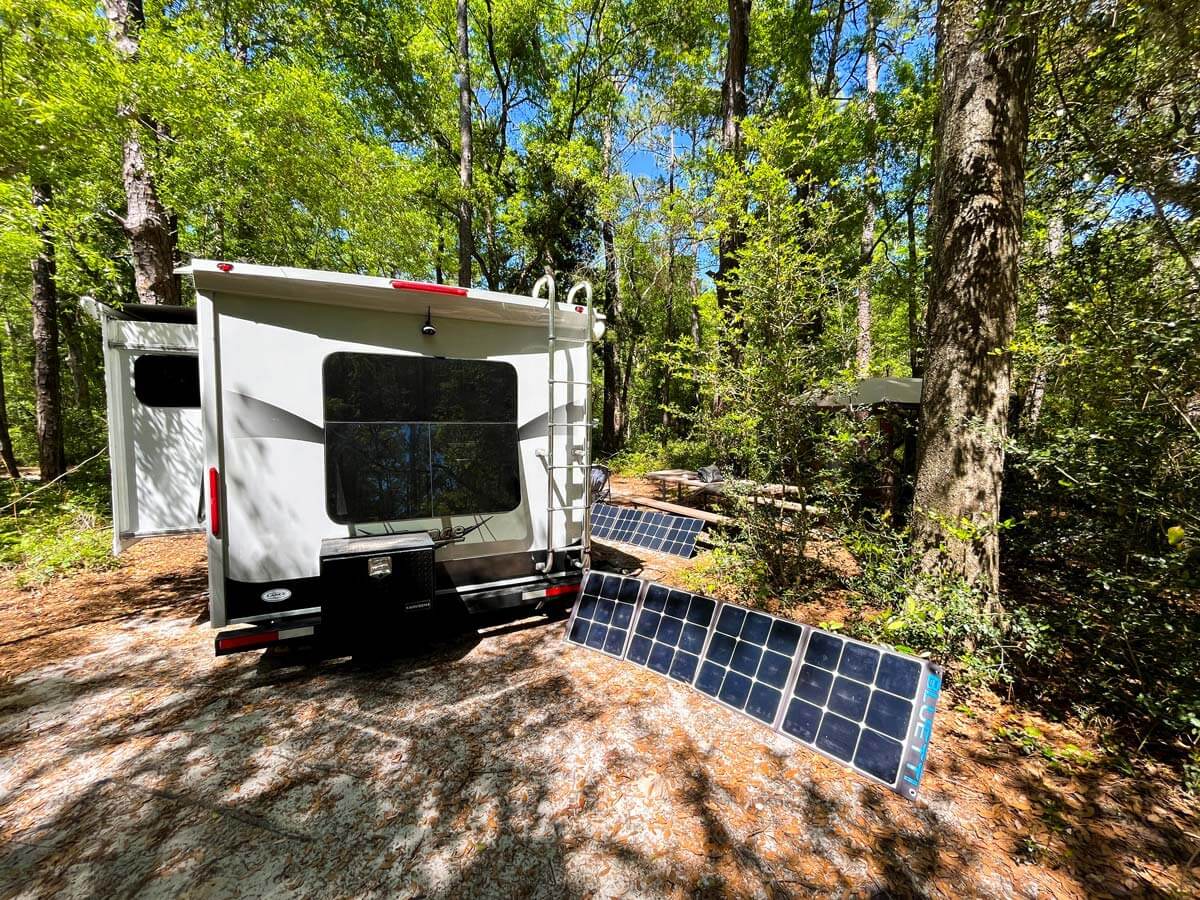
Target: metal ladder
pixel 584 451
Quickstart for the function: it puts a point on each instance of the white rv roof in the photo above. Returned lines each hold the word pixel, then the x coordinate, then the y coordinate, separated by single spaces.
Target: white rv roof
pixel 369 292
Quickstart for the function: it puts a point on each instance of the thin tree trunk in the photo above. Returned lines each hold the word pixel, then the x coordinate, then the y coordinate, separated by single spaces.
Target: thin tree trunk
pixel 835 42
pixel 465 211
pixel 985 76
pixel 862 353
pixel 613 415
pixel 147 223
pixel 51 458
pixel 916 286
pixel 1032 408
pixel 6 446
pixel 68 317
pixel 669 300
pixel 733 110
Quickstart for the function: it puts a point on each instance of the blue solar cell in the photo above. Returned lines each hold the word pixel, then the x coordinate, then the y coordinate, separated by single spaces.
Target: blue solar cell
pixel 593 583
pixel 656 598
pixel 859 662
pixel 812 684
pixel 823 650
pixel 639 650
pixel 587 607
pixel 647 625
pixel 622 615
pixel 802 720
pixel 837 737
pixel 889 714
pixel 730 620
pixel 701 610
pixel 668 631
pixel 615 642
pixel 735 689
pixel 579 630
pixel 898 675
pixel 745 658
pixel 596 636
pixel 756 628
pixel 785 637
pixel 630 587
pixel 604 611
pixel 763 703
pixel 849 698
pixel 710 678
pixel 879 756
pixel 774 669
pixel 677 604
pixel 660 658
pixel 692 638
pixel 720 648
pixel 684 667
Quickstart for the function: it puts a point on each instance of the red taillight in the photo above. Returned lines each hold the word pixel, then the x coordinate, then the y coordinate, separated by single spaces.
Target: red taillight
pixel 214 502
pixel 559 589
pixel 242 641
pixel 225 267
pixel 429 288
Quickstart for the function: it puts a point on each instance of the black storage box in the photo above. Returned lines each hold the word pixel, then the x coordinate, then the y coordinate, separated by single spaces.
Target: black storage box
pixel 380 575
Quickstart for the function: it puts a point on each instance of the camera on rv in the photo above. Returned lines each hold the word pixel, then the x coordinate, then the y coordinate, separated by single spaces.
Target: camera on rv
pixel 428 329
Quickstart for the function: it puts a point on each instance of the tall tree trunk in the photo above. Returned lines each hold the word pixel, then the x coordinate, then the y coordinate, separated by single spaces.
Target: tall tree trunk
pixel 862 352
pixel 1032 408
pixel 51 458
pixel 733 110
pixel 147 223
pixel 68 317
pixel 465 211
pixel 612 418
pixel 669 300
pixel 6 445
pixel 985 76
pixel 835 42
pixel 916 286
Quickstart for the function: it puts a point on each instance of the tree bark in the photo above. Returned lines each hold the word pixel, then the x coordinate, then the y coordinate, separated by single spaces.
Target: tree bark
pixel 465 211
pixel 51 458
pixel 862 352
pixel 613 415
pixel 835 41
pixel 733 110
pixel 68 317
pixel 669 299
pixel 916 285
pixel 1032 407
pixel 985 75
pixel 6 445
pixel 147 223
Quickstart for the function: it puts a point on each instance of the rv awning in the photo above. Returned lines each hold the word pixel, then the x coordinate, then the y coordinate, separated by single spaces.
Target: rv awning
pixel 874 391
pixel 370 292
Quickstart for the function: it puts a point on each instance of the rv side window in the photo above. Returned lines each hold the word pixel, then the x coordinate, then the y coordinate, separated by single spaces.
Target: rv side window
pixel 410 437
pixel 167 380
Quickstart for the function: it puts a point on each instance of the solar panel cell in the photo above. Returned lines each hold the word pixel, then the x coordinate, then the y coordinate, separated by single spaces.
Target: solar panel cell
pixel 745 658
pixel 888 714
pixel 823 650
pixel 785 637
pixel 774 668
pixel 859 662
pixel 899 675
pixel 879 756
pixel 763 702
pixel 837 736
pixel 849 698
pixel 812 684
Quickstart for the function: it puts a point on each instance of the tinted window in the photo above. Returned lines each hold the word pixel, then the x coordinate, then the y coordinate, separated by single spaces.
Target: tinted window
pixel 167 380
pixel 408 437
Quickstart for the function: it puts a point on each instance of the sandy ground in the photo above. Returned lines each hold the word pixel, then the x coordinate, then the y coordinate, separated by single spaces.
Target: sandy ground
pixel 499 762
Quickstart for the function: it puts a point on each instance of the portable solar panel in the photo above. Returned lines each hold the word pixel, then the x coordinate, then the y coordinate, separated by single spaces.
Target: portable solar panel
pixel 748 661
pixel 652 530
pixel 670 632
pixel 604 612
pixel 864 706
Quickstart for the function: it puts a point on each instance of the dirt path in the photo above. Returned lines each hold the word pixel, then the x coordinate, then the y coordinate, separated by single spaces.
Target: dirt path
pixel 499 763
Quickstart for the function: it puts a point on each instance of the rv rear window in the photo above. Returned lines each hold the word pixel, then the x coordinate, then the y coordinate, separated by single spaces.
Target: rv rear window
pixel 410 437
pixel 167 380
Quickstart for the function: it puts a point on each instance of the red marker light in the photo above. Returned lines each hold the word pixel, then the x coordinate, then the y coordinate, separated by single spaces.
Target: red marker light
pixel 559 589
pixel 214 502
pixel 225 267
pixel 579 309
pixel 429 288
pixel 243 641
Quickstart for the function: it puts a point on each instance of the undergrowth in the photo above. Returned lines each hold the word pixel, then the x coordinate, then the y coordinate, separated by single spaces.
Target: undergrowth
pixel 60 530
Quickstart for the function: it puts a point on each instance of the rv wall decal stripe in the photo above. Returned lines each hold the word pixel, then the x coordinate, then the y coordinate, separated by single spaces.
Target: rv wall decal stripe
pixel 864 706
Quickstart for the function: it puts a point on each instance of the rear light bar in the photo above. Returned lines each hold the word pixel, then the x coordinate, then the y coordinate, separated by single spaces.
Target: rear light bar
pixel 429 288
pixel 560 589
pixel 255 639
pixel 214 502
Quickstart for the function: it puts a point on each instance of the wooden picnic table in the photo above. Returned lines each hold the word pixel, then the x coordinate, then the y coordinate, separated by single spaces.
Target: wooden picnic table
pixel 762 494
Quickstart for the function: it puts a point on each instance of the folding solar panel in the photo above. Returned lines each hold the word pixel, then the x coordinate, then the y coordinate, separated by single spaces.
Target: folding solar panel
pixel 652 530
pixel 670 632
pixel 864 706
pixel 604 612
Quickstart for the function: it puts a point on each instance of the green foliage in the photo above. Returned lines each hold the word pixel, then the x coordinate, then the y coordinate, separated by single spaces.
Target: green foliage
pixel 60 530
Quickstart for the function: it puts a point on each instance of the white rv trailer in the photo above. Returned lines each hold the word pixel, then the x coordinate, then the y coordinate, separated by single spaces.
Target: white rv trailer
pixel 356 449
